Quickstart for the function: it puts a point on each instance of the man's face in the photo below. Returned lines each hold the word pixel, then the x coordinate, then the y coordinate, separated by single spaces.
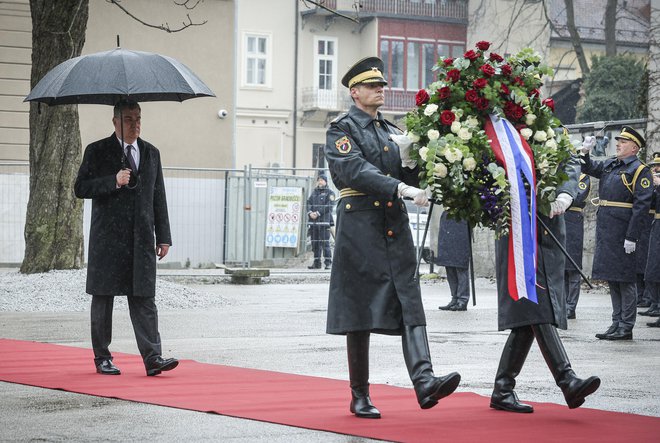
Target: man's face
pixel 321 183
pixel 132 120
pixel 369 95
pixel 625 148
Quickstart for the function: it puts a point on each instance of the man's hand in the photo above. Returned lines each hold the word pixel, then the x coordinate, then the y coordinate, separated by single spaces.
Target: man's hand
pixel 560 205
pixel 313 215
pixel 162 250
pixel 404 149
pixel 588 144
pixel 123 177
pixel 629 246
pixel 418 196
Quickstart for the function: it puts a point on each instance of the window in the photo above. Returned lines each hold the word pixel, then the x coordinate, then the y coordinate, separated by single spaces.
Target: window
pixel 326 63
pixel 257 56
pixel 392 55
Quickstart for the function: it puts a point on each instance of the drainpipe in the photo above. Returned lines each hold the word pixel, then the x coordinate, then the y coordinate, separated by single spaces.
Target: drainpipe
pixel 295 85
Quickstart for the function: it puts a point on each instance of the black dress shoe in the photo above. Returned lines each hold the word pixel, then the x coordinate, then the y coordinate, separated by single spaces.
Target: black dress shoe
pixel 328 266
pixel 459 307
pixel 448 307
pixel 620 334
pixel 107 368
pixel 159 364
pixel 570 315
pixel 314 266
pixel 651 312
pixel 654 324
pixel 508 401
pixel 612 329
pixel 644 304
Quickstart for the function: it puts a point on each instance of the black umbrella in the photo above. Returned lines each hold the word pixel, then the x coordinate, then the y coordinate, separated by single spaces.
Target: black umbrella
pixel 107 77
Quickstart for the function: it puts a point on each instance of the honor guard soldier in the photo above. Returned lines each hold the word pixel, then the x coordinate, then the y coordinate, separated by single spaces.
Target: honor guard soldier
pixel 574 219
pixel 625 191
pixel 652 273
pixel 373 286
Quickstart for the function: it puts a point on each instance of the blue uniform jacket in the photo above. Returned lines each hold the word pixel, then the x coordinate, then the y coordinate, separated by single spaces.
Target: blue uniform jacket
pixel 574 219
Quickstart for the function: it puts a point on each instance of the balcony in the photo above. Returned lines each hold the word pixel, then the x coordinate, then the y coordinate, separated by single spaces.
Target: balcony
pixel 440 9
pixel 314 99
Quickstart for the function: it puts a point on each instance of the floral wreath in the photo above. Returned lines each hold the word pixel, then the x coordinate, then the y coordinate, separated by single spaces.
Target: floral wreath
pixel 450 143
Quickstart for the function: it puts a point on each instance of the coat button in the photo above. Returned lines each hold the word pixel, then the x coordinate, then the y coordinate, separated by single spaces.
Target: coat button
pixel 348 206
pixel 389 204
pixel 390 233
pixel 386 148
pixel 378 124
pixel 376 203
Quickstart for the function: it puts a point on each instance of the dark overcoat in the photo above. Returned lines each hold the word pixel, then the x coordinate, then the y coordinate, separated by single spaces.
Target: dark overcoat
pixel 574 219
pixel 652 272
pixel 551 306
pixel 453 243
pixel 372 283
pixel 616 223
pixel 321 200
pixel 126 223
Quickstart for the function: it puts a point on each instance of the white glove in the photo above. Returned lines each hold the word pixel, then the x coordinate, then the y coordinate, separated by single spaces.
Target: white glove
pixel 629 246
pixel 560 205
pixel 588 144
pixel 404 143
pixel 418 196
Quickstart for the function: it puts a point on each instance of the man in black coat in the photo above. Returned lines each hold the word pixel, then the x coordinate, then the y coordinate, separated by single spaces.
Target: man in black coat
pixel 528 320
pixel 574 219
pixel 373 286
pixel 130 227
pixel 454 255
pixel 319 214
pixel 625 192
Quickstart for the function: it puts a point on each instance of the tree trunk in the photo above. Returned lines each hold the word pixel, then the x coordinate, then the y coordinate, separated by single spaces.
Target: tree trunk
pixel 575 37
pixel 610 28
pixel 53 227
pixel 653 100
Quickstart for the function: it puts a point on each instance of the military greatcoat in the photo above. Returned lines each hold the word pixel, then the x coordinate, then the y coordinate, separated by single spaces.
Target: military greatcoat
pixel 551 306
pixel 574 219
pixel 652 273
pixel 624 201
pixel 372 283
pixel 126 223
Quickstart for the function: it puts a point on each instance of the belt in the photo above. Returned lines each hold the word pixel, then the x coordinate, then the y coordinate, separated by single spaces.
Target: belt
pixel 348 192
pixel 575 208
pixel 657 216
pixel 615 204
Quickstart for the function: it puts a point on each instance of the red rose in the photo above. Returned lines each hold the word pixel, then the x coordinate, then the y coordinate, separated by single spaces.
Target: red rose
pixel 488 70
pixel 483 45
pixel 535 92
pixel 519 81
pixel 513 111
pixel 480 83
pixel 505 89
pixel 482 103
pixel 448 61
pixel 421 97
pixel 454 75
pixel 447 117
pixel 444 92
pixel 496 57
pixel 550 103
pixel 506 69
pixel 471 55
pixel 471 95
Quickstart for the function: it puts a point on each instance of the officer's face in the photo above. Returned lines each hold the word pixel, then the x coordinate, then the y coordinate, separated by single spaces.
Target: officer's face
pixel 368 95
pixel 625 148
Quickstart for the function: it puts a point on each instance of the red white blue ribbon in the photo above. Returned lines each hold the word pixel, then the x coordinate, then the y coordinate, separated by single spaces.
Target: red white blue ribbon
pixel 515 155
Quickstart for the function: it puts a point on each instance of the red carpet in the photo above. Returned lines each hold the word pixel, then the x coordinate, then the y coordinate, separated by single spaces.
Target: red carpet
pixel 313 402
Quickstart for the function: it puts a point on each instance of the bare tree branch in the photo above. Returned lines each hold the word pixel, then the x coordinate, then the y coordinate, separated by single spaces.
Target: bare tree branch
pixel 163 27
pixel 185 4
pixel 320 4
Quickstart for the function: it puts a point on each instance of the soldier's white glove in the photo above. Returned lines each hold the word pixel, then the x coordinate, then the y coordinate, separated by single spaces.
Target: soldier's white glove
pixel 588 144
pixel 629 246
pixel 418 196
pixel 404 143
pixel 561 204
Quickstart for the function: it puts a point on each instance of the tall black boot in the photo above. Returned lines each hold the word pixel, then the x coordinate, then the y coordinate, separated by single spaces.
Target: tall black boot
pixel 512 360
pixel 429 388
pixel 575 389
pixel 357 345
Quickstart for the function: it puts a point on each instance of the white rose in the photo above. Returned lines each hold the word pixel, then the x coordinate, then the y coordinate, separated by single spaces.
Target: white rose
pixel 464 134
pixel 469 164
pixel 423 152
pixel 530 119
pixel 440 170
pixel 540 136
pixel 543 166
pixel 430 109
pixel 472 122
pixel 551 132
pixel 455 126
pixel 526 133
pixel 552 144
pixel 433 134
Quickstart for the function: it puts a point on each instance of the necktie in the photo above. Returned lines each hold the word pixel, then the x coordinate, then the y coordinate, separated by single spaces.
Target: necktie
pixel 130 158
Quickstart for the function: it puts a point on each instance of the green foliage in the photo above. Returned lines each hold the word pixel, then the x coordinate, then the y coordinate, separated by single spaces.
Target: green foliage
pixel 613 89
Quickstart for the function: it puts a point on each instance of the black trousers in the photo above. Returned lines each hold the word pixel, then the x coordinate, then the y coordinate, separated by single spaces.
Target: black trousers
pixel 144 317
pixel 459 283
pixel 321 243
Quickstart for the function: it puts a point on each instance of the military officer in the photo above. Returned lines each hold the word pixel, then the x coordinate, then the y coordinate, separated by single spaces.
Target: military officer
pixel 319 214
pixel 372 283
pixel 652 272
pixel 625 194
pixel 454 255
pixel 574 220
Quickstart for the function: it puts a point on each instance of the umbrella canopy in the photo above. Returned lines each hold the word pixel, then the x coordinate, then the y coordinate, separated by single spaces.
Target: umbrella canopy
pixel 109 76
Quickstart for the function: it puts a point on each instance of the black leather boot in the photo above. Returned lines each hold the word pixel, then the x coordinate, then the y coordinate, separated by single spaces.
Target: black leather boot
pixel 575 389
pixel 357 345
pixel 512 360
pixel 428 387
